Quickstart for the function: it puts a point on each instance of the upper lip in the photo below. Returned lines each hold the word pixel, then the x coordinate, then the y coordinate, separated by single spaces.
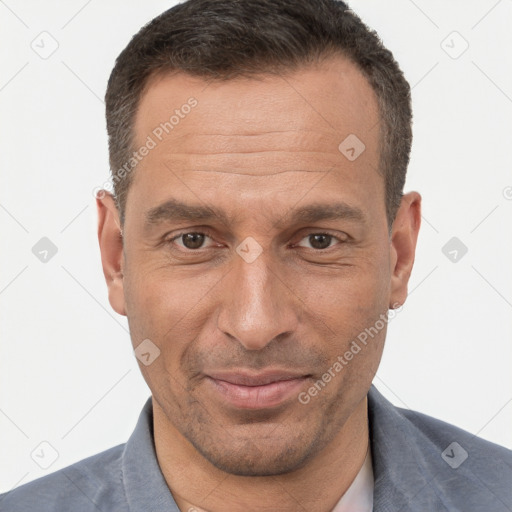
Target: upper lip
pixel 247 378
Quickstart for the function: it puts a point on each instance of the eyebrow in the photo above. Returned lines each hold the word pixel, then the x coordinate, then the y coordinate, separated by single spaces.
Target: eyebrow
pixel 321 211
pixel 174 210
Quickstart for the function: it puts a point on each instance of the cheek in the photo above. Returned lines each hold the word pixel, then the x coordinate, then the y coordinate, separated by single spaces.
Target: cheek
pixel 167 305
pixel 164 307
pixel 346 316
pixel 347 298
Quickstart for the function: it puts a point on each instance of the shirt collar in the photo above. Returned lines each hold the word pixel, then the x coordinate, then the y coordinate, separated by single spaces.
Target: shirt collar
pixel 144 485
pixel 359 496
pixel 146 489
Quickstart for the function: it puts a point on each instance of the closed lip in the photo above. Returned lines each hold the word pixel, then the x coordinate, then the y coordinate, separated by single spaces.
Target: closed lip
pixel 247 378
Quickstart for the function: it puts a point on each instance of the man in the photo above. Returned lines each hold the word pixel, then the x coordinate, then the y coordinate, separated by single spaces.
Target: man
pixel 257 240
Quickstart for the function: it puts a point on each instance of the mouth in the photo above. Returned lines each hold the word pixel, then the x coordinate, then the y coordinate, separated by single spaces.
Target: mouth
pixel 245 390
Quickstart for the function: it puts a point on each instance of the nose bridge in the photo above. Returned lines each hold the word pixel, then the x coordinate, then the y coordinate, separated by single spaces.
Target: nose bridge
pixel 256 307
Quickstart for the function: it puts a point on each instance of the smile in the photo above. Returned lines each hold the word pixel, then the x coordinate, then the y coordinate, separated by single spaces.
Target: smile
pixel 262 391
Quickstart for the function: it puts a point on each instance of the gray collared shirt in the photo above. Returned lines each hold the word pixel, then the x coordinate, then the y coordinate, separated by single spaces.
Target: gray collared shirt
pixel 419 464
pixel 126 478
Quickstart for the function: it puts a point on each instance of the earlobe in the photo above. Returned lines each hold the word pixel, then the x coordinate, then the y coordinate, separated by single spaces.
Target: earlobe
pixel 110 238
pixel 404 236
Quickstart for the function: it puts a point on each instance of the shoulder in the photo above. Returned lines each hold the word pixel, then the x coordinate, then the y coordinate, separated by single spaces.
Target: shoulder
pixel 429 433
pixel 428 462
pixel 438 432
pixel 92 484
pixel 473 469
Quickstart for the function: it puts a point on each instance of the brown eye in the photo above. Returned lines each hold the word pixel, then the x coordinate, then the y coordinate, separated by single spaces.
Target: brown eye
pixel 193 240
pixel 318 241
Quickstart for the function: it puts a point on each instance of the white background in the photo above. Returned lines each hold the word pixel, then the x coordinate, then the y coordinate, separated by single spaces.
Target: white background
pixel 67 372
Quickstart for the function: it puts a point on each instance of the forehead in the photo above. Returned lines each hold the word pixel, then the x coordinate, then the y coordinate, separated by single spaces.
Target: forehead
pixel 210 132
pixel 329 98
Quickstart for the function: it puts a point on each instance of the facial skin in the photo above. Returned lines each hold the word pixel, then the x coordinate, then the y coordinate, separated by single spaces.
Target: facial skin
pixel 259 150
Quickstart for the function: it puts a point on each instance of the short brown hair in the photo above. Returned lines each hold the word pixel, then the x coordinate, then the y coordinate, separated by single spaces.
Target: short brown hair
pixel 223 39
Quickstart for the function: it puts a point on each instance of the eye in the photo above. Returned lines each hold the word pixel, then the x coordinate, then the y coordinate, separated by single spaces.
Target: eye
pixel 192 240
pixel 319 241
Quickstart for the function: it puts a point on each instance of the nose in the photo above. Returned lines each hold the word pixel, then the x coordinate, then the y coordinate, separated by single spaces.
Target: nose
pixel 257 305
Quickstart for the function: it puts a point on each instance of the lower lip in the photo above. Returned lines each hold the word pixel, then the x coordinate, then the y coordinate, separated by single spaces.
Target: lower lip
pixel 258 397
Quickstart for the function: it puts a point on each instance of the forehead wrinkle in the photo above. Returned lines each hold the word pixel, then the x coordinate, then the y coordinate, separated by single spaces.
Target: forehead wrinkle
pixel 248 133
pixel 258 175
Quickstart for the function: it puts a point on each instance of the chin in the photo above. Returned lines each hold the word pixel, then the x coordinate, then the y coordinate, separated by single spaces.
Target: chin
pixel 263 457
pixel 253 464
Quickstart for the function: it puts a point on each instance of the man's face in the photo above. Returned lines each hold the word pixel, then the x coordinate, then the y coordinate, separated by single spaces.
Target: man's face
pixel 267 287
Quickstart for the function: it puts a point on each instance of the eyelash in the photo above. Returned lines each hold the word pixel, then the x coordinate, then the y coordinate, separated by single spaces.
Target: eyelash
pixel 208 234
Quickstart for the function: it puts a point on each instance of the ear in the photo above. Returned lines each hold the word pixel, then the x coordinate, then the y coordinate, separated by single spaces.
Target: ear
pixel 111 247
pixel 404 235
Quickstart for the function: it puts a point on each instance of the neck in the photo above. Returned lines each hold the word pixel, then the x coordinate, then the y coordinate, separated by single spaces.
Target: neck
pixel 198 485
